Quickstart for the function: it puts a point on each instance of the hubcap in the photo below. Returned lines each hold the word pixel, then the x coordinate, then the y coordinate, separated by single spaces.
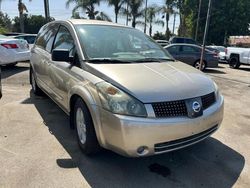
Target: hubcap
pixel 81 126
pixel 197 65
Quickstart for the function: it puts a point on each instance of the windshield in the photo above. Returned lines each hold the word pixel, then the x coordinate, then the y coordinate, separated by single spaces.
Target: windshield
pixel 118 43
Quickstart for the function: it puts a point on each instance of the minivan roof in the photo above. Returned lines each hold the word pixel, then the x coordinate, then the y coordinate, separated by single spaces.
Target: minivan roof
pixel 94 22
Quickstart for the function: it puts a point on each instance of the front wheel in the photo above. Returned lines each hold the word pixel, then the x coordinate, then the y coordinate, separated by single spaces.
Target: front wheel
pixel 197 65
pixel 35 87
pixel 234 62
pixel 84 128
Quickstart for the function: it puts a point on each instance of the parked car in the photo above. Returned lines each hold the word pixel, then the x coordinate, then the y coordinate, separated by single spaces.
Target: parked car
pixel 13 50
pixel 132 99
pixel 212 49
pixel 163 43
pixel 11 34
pixel 174 40
pixel 220 50
pixel 191 54
pixel 30 38
pixel 238 56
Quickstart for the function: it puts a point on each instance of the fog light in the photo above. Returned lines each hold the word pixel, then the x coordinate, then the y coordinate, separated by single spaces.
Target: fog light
pixel 142 150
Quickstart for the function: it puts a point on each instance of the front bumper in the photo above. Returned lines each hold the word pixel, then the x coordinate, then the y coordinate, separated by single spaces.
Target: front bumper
pixel 124 134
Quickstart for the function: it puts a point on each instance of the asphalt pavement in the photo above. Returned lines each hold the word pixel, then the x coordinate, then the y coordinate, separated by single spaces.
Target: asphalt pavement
pixel 38 149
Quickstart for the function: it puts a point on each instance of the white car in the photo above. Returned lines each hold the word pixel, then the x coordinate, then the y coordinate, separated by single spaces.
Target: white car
pixel 221 52
pixel 13 51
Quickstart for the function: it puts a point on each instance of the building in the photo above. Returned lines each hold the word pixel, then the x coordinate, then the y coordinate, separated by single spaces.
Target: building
pixel 240 41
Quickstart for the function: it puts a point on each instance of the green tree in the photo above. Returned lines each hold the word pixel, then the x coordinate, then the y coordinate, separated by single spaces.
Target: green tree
pixel 32 23
pixel 117 6
pixel 85 5
pixel 5 22
pixel 152 11
pixel 159 36
pixel 228 17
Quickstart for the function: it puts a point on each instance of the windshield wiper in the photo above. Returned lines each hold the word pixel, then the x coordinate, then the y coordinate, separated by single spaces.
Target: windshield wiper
pixel 154 60
pixel 106 60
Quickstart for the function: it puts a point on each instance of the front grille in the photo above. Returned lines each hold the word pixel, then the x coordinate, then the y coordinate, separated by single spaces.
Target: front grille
pixel 170 109
pixel 175 144
pixel 178 108
pixel 208 100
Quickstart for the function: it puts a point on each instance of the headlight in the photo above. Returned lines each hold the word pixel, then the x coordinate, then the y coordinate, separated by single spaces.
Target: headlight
pixel 118 102
pixel 217 92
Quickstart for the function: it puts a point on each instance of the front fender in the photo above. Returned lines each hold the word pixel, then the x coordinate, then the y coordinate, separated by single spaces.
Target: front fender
pixel 91 99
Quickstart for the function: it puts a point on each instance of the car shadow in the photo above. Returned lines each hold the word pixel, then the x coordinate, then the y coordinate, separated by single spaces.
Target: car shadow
pixel 246 68
pixel 207 164
pixel 7 71
pixel 214 71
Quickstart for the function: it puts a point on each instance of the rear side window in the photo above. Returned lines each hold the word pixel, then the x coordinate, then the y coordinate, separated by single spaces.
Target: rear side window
pixel 190 49
pixel 46 37
pixel 173 49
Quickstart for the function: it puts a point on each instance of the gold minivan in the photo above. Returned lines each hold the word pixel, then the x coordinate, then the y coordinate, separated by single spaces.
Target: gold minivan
pixel 122 90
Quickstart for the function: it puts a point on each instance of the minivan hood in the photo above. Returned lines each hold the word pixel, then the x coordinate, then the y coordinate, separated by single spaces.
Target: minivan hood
pixel 155 82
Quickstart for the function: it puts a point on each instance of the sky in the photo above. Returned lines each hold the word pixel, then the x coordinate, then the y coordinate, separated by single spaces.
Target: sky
pixel 59 11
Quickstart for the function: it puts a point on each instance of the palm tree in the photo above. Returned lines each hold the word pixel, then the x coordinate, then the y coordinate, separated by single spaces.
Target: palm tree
pixel 117 6
pixel 21 9
pixel 134 10
pixel 103 16
pixel 85 5
pixel 152 11
pixel 167 10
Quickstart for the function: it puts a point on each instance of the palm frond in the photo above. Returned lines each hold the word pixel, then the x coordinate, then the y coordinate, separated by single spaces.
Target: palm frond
pixel 103 16
pixel 159 22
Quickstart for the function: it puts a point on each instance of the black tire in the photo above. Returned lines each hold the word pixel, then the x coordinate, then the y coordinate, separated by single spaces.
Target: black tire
pixel 234 62
pixel 35 88
pixel 11 64
pixel 196 63
pixel 91 145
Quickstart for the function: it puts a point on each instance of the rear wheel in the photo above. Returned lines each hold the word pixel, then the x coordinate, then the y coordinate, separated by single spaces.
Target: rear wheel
pixel 197 65
pixel 234 62
pixel 83 123
pixel 35 87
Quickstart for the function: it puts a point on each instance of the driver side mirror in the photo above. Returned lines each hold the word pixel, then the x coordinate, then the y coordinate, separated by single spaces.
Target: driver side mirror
pixel 61 55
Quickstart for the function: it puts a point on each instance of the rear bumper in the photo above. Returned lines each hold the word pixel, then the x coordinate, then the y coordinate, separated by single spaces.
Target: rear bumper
pixel 213 63
pixel 13 57
pixel 124 135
